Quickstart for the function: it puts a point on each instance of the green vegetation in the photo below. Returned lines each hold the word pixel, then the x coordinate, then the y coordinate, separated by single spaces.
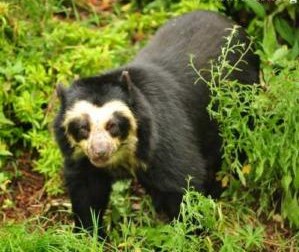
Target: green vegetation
pixel 136 232
pixel 55 41
pixel 268 133
pixel 204 225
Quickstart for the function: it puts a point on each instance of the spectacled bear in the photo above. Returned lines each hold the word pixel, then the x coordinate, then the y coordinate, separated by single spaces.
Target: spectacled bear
pixel 148 120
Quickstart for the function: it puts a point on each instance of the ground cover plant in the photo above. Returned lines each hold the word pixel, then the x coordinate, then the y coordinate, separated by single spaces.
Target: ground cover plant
pixel 48 42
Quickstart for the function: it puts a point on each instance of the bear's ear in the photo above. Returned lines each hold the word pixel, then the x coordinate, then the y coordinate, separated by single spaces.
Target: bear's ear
pixel 60 92
pixel 125 79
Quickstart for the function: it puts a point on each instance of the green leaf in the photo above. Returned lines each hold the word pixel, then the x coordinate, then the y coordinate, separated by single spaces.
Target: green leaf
pixel 279 54
pixel 269 40
pixel 257 7
pixel 290 208
pixel 4 120
pixel 296 181
pixel 286 181
pixel 294 53
pixel 5 153
pixel 284 30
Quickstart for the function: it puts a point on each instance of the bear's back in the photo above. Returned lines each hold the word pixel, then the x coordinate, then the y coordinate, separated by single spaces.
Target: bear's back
pixel 199 33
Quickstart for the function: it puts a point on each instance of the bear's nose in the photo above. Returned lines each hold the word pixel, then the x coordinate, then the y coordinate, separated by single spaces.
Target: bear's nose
pixel 100 150
pixel 100 146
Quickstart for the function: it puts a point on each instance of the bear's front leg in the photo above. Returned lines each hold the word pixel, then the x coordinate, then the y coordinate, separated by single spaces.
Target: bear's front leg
pixel 89 193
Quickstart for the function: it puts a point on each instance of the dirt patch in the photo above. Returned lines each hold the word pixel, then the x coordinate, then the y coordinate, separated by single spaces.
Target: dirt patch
pixel 26 198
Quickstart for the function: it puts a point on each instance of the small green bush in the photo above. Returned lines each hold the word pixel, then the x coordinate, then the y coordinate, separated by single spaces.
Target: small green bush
pixel 262 122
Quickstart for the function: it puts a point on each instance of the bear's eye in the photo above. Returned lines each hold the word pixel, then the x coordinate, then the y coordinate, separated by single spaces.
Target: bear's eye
pixel 79 129
pixel 118 126
pixel 113 128
pixel 84 128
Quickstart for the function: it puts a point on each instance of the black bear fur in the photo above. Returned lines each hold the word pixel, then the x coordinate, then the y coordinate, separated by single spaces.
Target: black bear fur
pixel 176 137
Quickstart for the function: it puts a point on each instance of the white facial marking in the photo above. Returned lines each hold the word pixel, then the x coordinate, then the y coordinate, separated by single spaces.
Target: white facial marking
pixel 99 116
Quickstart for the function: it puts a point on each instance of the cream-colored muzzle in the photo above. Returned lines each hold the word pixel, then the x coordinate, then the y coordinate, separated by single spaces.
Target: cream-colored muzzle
pixel 100 148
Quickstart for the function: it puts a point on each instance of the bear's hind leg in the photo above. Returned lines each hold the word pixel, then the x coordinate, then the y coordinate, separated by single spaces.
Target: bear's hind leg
pixel 167 203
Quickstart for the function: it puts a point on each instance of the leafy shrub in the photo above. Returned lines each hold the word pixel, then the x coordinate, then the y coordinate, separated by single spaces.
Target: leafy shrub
pixel 271 144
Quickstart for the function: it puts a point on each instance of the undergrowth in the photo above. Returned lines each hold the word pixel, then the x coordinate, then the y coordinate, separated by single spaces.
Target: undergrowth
pixel 203 226
pixel 263 123
pixel 137 232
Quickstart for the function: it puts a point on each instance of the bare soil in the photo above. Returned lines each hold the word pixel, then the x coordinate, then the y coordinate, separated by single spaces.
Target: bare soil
pixel 25 197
